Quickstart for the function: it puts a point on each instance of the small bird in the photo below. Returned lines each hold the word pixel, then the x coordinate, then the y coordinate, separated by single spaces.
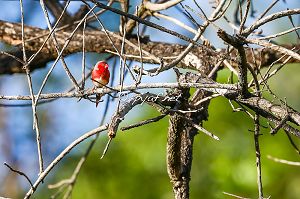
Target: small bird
pixel 100 77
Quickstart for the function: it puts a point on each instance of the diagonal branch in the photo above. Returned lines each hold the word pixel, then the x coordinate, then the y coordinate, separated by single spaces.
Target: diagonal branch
pixel 62 155
pixel 269 109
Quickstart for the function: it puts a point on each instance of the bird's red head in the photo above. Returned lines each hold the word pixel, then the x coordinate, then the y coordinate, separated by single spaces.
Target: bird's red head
pixel 100 74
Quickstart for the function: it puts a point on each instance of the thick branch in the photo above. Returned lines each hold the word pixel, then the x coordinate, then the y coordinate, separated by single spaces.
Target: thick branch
pixel 181 134
pixel 129 104
pixel 179 150
pixel 241 59
pixel 269 109
pixel 96 41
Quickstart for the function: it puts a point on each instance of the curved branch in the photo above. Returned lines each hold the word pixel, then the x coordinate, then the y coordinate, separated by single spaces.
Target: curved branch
pixel 160 6
pixel 269 18
pixel 62 155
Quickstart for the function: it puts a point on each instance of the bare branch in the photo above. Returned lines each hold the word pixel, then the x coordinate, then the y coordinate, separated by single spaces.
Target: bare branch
pixel 284 161
pixel 33 102
pixel 20 173
pixel 269 18
pixel 275 47
pixel 257 154
pixel 235 196
pixel 10 33
pixel 144 122
pixel 62 155
pixel 128 105
pixel 160 6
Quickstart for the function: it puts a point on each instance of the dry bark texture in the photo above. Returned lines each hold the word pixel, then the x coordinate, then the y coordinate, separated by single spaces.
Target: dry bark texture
pixel 98 42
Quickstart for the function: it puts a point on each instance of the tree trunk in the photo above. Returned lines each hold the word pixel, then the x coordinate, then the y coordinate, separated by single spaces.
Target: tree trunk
pixel 181 135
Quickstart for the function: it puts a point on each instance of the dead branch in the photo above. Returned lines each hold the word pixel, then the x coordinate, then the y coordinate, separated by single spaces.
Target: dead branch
pixel 96 41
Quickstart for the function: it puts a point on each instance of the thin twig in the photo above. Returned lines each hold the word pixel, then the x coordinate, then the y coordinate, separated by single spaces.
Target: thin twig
pixel 20 173
pixel 109 38
pixel 160 6
pixel 121 79
pixel 148 23
pixel 292 142
pixel 46 39
pixel 89 19
pixel 233 195
pixel 239 7
pixel 269 74
pixel 186 51
pixel 293 24
pixel 106 147
pixel 245 17
pixel 33 102
pixel 62 155
pixel 279 34
pixel 257 153
pixel 200 128
pixel 14 57
pixel 274 47
pixel 68 40
pixel 175 21
pixel 268 9
pixel 144 122
pixel 279 125
pixel 269 18
pixel 83 55
pixel 141 53
pixel 57 48
pixel 283 161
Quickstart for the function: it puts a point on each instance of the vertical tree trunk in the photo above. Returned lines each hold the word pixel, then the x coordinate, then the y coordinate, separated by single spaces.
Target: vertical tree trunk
pixel 180 155
pixel 181 134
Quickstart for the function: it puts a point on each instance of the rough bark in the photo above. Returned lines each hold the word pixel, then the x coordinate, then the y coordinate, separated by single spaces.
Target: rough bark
pixel 96 41
pixel 181 134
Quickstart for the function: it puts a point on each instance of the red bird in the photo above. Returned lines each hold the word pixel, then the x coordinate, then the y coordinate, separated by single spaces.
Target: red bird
pixel 100 77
